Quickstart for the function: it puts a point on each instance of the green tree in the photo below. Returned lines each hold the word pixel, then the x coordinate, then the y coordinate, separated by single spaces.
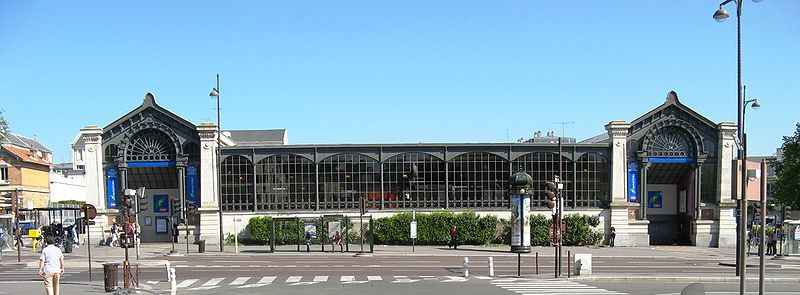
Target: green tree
pixel 3 126
pixel 787 180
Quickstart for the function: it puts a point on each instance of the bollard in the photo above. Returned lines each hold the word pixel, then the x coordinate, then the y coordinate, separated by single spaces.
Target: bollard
pixel 491 266
pixel 537 263
pixel 569 265
pixel 466 266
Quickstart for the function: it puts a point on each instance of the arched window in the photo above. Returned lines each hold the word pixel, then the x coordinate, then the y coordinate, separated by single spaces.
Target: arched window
pixel 237 184
pixel 347 178
pixel 150 145
pixel 110 153
pixel 478 180
pixel 285 182
pixel 543 167
pixel 591 183
pixel 414 180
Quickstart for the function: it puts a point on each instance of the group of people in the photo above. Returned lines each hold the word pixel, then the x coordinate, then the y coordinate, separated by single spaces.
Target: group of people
pixel 770 243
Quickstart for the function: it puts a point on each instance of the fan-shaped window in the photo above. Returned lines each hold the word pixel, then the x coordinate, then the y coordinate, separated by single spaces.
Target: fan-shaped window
pixel 347 178
pixel 285 182
pixel 150 145
pixel 670 141
pixel 237 184
pixel 110 153
pixel 543 167
pixel 478 180
pixel 414 180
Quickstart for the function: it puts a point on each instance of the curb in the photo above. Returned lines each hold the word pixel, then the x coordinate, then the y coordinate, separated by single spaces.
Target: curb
pixel 680 279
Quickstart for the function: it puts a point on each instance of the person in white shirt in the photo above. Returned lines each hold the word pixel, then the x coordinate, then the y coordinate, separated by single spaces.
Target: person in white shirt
pixel 51 266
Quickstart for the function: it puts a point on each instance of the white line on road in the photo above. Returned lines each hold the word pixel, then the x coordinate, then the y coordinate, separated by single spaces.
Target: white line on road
pixel 321 278
pixel 374 278
pixel 240 280
pixel 294 279
pixel 266 280
pixel 186 283
pixel 213 282
pixel 347 279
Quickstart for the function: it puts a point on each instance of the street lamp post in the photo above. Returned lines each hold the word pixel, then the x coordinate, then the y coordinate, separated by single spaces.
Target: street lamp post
pixel 215 93
pixel 720 15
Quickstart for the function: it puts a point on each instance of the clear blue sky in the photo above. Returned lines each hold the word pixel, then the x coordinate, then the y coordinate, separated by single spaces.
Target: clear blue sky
pixel 395 71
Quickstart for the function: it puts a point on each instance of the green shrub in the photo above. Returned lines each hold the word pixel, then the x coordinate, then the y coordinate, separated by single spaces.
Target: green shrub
pixel 580 230
pixel 434 228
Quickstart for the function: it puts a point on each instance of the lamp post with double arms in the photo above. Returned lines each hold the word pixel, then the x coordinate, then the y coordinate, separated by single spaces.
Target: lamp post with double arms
pixel 215 93
pixel 720 15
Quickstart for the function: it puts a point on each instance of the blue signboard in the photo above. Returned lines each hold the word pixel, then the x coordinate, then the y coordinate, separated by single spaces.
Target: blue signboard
pixel 111 187
pixel 191 184
pixel 160 203
pixel 655 199
pixel 633 182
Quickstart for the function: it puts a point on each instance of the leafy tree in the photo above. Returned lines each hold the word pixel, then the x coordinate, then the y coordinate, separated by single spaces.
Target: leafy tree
pixel 787 182
pixel 3 126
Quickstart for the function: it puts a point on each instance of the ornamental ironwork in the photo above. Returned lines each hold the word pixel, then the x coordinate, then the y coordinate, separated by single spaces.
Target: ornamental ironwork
pixel 150 145
pixel 670 142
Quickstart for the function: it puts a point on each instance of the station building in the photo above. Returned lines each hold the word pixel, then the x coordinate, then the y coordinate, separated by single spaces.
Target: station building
pixel 665 177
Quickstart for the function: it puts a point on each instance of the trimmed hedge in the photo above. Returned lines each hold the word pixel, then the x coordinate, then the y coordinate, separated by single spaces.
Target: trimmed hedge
pixel 434 229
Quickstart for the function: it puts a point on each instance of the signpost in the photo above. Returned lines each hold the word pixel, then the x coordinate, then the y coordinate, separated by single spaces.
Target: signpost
pixel 413 234
pixel 236 221
pixel 89 212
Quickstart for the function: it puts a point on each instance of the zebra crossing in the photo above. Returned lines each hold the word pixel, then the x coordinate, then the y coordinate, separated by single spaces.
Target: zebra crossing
pixel 550 287
pixel 258 282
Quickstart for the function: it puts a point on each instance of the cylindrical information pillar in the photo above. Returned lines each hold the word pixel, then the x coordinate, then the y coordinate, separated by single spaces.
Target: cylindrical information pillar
pixel 520 189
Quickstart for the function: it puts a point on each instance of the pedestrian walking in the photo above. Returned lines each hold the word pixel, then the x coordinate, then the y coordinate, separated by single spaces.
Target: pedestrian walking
pixel 51 266
pixel 611 237
pixel 336 240
pixel 768 244
pixel 308 241
pixel 114 233
pixel 453 238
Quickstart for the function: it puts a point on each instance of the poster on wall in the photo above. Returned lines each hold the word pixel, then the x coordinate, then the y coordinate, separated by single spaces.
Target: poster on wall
pixel 111 187
pixel 161 224
pixel 191 183
pixel 160 203
pixel 633 182
pixel 655 199
pixel 333 228
pixel 310 228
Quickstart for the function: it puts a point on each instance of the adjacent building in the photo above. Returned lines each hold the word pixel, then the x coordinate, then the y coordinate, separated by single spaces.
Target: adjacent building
pixel 25 170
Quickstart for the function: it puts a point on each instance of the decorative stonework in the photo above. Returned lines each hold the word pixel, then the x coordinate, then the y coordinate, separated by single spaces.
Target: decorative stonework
pixel 150 140
pixel 673 137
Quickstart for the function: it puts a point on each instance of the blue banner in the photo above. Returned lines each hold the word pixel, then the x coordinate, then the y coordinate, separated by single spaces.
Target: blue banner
pixel 633 182
pixel 191 184
pixel 111 187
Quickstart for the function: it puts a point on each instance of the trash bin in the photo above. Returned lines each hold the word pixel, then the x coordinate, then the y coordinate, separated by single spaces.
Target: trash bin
pixel 68 246
pixel 110 275
pixel 201 246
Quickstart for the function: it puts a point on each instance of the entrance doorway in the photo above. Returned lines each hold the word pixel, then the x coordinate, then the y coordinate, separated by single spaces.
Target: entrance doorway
pixel 161 184
pixel 670 197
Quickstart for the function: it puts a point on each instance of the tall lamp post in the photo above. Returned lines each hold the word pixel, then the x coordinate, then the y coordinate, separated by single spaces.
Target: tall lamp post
pixel 721 15
pixel 215 93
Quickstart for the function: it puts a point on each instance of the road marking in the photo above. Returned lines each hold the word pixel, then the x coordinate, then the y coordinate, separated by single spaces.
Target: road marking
pixel 347 279
pixel 528 286
pixel 203 288
pixel 483 278
pixel 321 278
pixel 213 282
pixel 374 278
pixel 454 279
pixel 186 283
pixel 293 279
pixel 152 282
pixel 239 280
pixel 266 280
